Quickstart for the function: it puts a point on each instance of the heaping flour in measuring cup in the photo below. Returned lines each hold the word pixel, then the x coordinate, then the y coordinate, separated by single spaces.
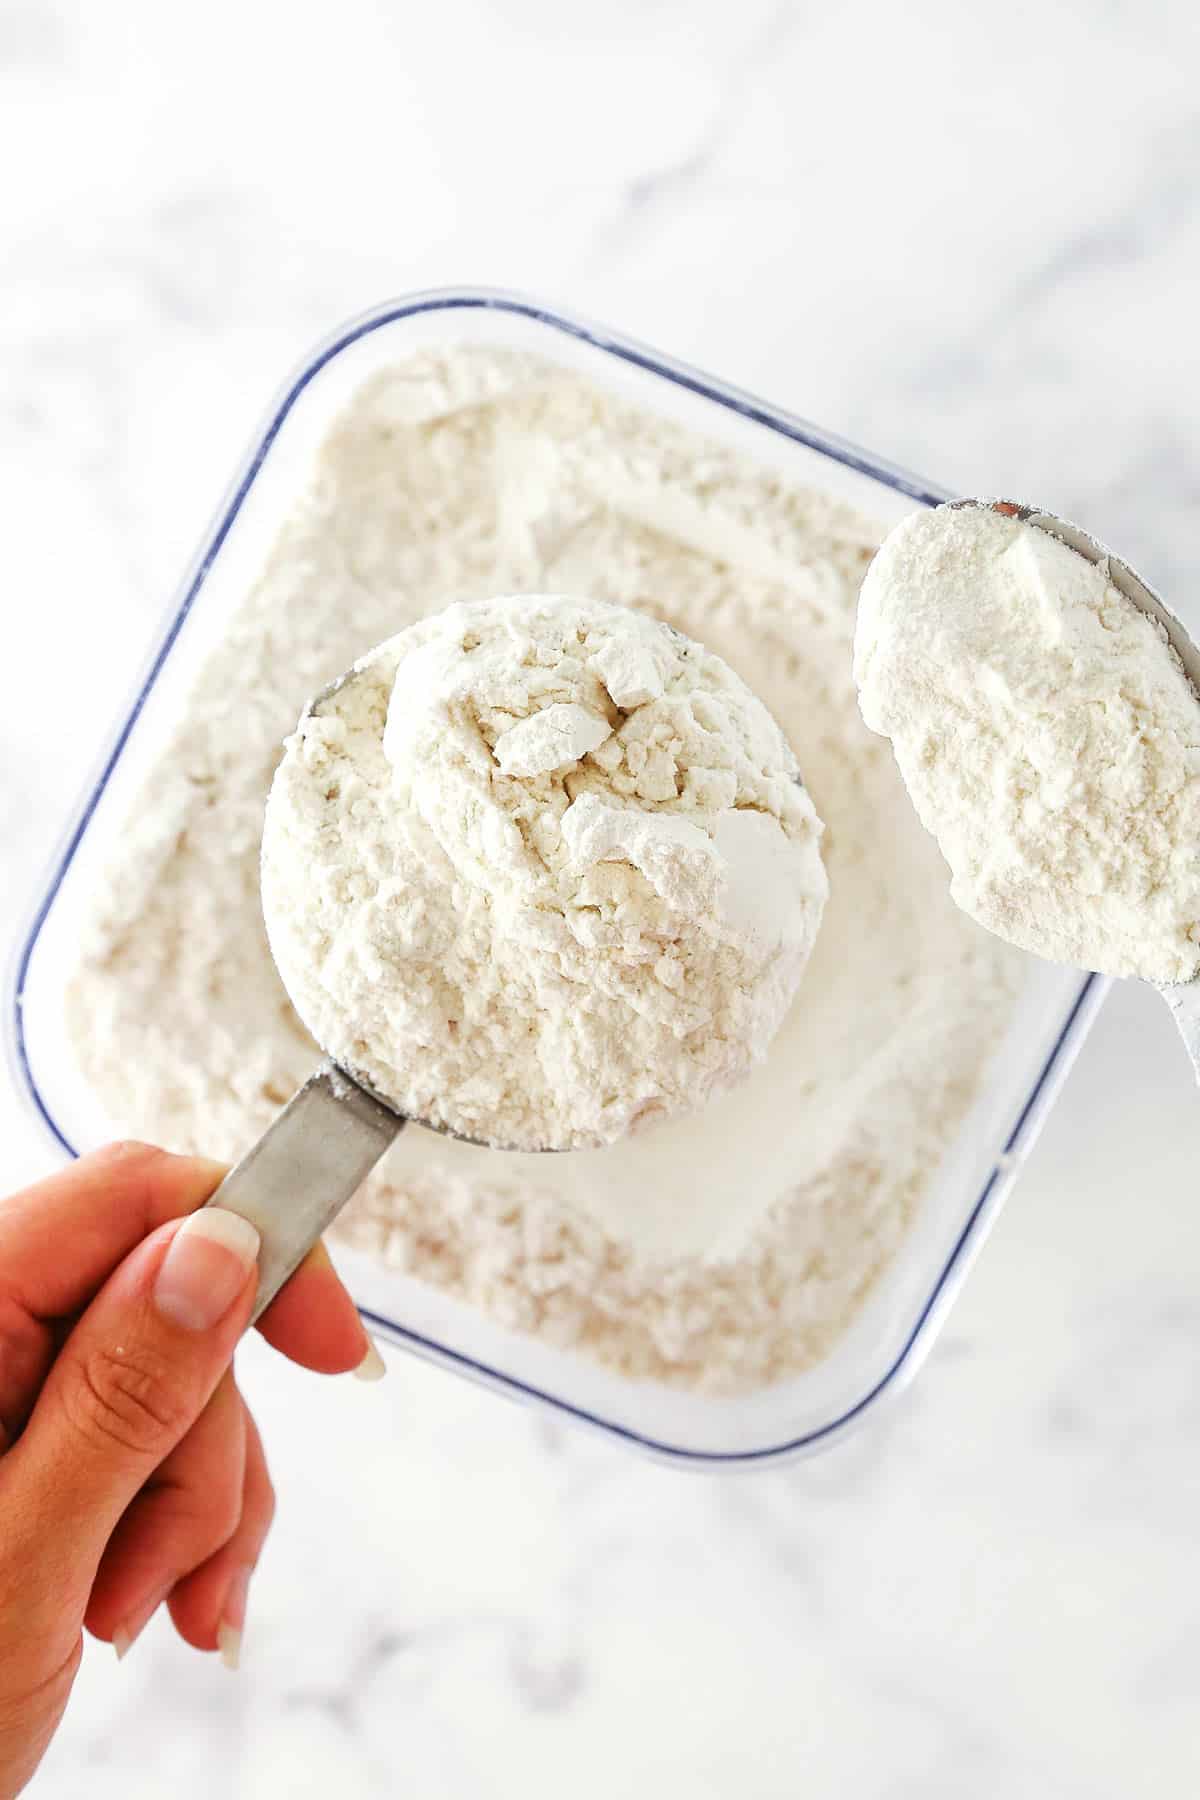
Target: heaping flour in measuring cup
pixel 737 1244
pixel 540 871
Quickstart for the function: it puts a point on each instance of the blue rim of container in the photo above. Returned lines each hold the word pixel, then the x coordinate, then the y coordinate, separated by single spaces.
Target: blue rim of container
pixel 760 412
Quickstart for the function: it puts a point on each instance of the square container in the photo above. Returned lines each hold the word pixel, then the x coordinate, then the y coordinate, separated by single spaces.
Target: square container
pixel 897 1324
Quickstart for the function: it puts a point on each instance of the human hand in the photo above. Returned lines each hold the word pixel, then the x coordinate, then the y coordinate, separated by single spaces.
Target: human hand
pixel 131 1471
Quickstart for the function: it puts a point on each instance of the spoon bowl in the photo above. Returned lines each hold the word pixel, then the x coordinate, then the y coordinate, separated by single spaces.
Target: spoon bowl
pixel 1182 998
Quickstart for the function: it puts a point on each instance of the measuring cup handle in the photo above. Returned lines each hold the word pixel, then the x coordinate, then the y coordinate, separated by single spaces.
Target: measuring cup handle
pixel 304 1168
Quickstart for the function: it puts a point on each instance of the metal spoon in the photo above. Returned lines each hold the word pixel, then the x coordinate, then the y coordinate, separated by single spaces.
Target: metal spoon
pixel 296 1179
pixel 1182 998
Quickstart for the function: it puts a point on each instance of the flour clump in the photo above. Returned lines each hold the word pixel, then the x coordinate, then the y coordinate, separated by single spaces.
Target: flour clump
pixel 526 911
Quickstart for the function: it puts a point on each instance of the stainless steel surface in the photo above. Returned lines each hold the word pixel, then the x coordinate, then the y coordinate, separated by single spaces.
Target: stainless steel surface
pixel 304 1168
pixel 1183 999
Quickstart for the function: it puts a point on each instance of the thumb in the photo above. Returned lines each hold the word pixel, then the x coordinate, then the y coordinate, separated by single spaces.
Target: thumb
pixel 135 1373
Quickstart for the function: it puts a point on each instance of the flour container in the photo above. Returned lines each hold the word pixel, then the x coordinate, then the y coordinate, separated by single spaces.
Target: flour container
pixel 897 1323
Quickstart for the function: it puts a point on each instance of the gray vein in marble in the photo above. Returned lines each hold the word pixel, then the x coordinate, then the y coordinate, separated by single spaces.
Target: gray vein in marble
pixel 672 183
pixel 32 38
pixel 1159 202
pixel 342 1702
pixel 544 1681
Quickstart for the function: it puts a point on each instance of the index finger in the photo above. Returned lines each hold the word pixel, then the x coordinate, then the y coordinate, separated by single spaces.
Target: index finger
pixel 62 1238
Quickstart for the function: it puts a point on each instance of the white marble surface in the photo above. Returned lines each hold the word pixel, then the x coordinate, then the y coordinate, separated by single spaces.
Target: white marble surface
pixel 968 236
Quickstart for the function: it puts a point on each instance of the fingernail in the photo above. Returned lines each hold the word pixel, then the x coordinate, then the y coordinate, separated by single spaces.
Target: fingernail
pixel 205 1268
pixel 132 1627
pixel 233 1618
pixel 372 1367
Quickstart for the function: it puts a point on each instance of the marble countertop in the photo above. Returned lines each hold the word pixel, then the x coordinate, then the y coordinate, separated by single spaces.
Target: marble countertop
pixel 968 239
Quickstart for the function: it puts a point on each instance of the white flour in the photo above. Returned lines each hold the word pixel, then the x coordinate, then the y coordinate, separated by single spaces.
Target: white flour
pixel 472 473
pixel 1048 736
pixel 522 911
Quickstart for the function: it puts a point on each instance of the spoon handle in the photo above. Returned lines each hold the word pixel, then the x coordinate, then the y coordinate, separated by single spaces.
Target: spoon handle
pixel 1183 999
pixel 293 1183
